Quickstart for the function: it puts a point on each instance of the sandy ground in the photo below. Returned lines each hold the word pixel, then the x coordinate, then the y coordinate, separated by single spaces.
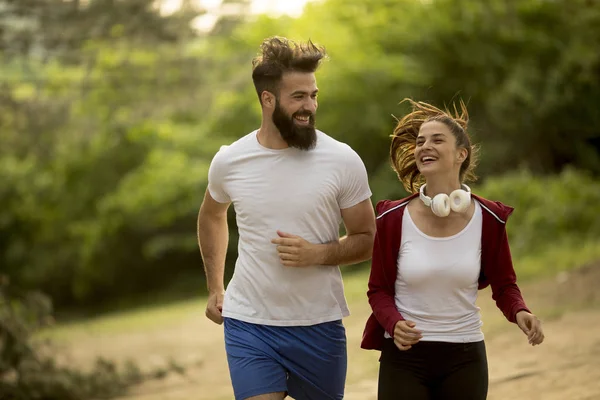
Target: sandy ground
pixel 565 367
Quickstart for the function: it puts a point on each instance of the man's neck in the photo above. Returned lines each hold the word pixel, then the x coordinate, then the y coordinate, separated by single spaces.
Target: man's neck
pixel 268 136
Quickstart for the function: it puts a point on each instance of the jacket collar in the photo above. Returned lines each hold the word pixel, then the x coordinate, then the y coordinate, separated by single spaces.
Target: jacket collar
pixel 498 210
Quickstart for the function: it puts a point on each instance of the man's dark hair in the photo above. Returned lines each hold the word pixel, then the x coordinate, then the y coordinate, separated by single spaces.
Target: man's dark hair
pixel 280 55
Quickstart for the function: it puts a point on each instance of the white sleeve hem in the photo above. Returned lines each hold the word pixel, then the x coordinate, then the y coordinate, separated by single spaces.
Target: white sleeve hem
pixel 360 199
pixel 217 198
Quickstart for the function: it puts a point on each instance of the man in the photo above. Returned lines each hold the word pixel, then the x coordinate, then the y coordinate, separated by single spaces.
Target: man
pixel 291 186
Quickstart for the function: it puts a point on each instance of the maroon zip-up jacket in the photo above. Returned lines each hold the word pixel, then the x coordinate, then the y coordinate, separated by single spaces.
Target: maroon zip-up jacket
pixel 496 267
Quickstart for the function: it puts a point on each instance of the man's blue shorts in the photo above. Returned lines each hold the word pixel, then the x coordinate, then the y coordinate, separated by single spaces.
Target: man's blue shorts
pixel 307 362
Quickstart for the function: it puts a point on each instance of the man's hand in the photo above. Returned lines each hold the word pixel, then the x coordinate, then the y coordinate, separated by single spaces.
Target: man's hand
pixel 531 326
pixel 405 335
pixel 214 307
pixel 294 251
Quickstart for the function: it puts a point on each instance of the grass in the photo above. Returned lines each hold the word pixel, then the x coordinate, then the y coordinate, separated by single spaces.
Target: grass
pixel 557 257
pixel 147 318
pixel 553 260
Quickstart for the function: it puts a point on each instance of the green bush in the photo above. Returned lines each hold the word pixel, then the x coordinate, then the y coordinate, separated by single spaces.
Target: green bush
pixel 549 210
pixel 106 139
pixel 27 369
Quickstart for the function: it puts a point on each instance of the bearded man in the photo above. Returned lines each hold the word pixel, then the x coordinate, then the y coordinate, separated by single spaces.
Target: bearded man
pixel 291 186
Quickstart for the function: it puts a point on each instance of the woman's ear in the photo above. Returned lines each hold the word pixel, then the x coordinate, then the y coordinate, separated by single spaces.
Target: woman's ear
pixel 462 155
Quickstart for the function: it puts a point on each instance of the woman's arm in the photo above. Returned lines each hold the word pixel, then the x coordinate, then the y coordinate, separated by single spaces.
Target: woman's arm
pixel 381 292
pixel 503 281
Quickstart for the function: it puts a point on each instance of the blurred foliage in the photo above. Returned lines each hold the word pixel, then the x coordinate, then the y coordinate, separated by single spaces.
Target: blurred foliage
pixel 29 372
pixel 110 113
pixel 547 209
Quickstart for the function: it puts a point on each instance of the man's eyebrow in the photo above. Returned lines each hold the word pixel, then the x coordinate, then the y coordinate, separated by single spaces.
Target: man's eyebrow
pixel 303 92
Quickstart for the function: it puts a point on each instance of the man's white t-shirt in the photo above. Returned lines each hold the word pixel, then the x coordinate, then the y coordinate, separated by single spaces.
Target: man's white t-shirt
pixel 297 192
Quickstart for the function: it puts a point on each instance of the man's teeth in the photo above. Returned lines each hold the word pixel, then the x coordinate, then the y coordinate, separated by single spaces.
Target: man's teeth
pixel 303 118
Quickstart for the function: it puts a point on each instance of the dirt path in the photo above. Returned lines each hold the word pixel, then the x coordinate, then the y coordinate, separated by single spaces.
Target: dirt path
pixel 565 367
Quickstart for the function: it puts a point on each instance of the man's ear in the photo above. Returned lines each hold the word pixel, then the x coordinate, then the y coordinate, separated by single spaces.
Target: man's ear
pixel 268 99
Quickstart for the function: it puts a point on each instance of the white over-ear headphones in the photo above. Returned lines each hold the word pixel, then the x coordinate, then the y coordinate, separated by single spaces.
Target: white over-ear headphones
pixel 458 201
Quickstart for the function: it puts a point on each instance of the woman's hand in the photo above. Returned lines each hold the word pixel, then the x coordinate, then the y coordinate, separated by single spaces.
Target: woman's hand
pixel 531 326
pixel 405 335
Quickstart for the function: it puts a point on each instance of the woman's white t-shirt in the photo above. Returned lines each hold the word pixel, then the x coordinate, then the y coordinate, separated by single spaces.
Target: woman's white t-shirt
pixel 437 281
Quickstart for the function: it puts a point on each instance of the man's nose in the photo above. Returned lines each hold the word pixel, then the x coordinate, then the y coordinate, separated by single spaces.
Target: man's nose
pixel 311 106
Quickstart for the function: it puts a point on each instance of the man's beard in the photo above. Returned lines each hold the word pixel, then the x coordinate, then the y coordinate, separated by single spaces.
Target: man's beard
pixel 300 137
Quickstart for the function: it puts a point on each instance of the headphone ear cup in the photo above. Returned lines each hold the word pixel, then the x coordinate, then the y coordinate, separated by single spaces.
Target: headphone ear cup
pixel 460 200
pixel 440 205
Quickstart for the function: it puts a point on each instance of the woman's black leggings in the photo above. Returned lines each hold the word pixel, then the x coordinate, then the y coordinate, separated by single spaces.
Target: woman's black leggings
pixel 433 371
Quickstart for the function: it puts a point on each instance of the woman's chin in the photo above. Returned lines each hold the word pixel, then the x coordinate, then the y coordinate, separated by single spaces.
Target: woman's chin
pixel 435 172
pixel 428 170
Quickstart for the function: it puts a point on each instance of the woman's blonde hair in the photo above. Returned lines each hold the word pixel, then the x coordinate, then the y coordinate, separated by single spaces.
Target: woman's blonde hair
pixel 404 140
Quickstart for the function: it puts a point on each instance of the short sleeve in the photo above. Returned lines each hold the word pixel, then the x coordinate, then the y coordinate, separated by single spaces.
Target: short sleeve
pixel 355 182
pixel 217 173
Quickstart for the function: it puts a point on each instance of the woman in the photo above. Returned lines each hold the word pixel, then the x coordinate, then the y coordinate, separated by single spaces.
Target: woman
pixel 433 250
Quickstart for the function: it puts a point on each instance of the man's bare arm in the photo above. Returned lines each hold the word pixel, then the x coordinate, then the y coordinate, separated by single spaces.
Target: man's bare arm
pixel 353 248
pixel 213 238
pixel 357 245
